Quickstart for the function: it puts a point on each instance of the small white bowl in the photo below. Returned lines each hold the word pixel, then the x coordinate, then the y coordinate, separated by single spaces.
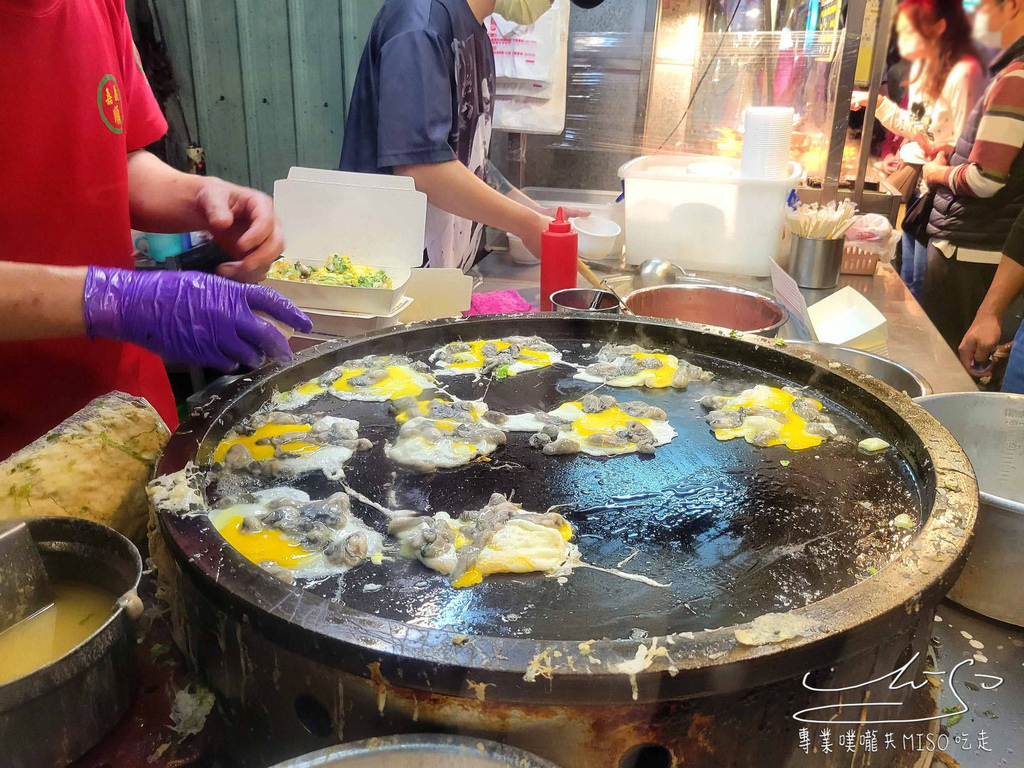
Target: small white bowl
pixel 519 253
pixel 597 237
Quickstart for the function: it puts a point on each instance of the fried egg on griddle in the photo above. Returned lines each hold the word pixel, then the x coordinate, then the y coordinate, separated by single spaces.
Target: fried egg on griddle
pixel 286 533
pixel 630 365
pixel 374 379
pixel 427 445
pixel 600 426
pixel 504 357
pixel 500 538
pixel 285 445
pixel 766 416
pixel 407 408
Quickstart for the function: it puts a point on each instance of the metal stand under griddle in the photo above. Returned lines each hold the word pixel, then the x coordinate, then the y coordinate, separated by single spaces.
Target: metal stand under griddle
pixel 297 672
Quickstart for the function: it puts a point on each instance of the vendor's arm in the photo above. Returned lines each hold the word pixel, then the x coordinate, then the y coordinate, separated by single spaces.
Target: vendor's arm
pixel 496 179
pixel 999 141
pixel 41 302
pixel 452 187
pixel 242 220
pixel 184 317
pixel 414 123
pixel 985 332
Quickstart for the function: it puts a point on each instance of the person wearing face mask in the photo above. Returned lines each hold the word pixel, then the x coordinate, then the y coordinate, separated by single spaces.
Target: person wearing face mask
pixel 979 192
pixel 422 107
pixel 946 80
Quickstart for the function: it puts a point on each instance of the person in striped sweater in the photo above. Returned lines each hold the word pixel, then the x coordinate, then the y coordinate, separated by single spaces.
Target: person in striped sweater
pixel 979 192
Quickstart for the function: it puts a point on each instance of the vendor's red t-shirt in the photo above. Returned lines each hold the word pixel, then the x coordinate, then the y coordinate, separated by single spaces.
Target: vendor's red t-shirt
pixel 74 102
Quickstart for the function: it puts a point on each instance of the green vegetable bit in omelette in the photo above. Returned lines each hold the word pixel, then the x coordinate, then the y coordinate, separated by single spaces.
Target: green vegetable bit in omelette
pixel 339 270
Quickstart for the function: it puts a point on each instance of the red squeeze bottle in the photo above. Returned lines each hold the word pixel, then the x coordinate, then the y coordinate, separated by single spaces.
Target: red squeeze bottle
pixel 559 252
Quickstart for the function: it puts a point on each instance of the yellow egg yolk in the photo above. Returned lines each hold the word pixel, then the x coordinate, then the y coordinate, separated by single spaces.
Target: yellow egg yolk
pixel 310 388
pixel 402 381
pixel 606 422
pixel 475 358
pixel 793 433
pixel 663 376
pixel 264 452
pixel 468 579
pixel 512 562
pixel 266 546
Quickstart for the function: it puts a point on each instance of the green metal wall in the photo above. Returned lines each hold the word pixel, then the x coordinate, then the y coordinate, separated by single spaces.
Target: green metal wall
pixel 264 84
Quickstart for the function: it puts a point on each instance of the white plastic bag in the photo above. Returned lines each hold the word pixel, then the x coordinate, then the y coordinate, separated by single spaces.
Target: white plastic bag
pixel 527 53
pixel 531 106
pixel 873 233
pixel 869 228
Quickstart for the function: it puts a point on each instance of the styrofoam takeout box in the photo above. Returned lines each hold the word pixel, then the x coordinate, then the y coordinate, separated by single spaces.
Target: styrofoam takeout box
pixel 346 324
pixel 848 319
pixel 344 298
pixel 374 220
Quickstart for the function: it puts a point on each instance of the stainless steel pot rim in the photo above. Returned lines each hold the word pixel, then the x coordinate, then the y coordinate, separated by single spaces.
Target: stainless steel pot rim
pixel 15 692
pixel 1003 504
pixel 429 745
pixel 813 346
pixel 690 284
pixel 843 621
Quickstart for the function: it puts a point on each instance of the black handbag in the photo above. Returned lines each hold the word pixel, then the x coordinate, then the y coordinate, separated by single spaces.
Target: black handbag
pixel 915 223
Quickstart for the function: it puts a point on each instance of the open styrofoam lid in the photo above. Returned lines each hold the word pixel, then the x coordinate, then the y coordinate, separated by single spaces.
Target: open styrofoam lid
pixel 373 225
pixel 846 316
pixel 325 176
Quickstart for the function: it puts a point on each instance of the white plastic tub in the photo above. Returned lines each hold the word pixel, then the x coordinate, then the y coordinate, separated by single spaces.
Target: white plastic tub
pixel 716 223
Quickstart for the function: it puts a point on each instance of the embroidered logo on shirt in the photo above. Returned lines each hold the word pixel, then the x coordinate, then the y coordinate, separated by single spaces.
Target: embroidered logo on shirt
pixel 108 97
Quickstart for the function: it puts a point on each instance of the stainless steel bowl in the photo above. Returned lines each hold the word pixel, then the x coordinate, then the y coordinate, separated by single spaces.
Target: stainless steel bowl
pixel 897 376
pixel 585 300
pixel 990 428
pixel 417 751
pixel 57 713
pixel 706 303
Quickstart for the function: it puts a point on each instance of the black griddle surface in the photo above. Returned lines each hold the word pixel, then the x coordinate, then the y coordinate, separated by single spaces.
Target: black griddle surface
pixel 734 532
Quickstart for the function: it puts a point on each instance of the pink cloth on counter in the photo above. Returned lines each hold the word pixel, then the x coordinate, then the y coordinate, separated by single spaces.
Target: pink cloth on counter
pixel 498 303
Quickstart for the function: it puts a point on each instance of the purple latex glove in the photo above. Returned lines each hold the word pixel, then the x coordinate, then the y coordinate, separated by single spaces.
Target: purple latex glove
pixel 190 317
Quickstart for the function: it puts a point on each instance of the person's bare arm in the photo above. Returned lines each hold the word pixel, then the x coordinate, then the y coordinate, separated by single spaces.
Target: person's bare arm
pixel 983 336
pixel 41 302
pixel 242 220
pixel 452 187
pixel 496 180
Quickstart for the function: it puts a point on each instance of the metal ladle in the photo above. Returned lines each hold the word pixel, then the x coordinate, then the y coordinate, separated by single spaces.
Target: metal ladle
pixel 655 272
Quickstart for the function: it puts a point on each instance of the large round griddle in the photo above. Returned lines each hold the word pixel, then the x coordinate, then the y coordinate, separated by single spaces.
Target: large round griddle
pixel 735 531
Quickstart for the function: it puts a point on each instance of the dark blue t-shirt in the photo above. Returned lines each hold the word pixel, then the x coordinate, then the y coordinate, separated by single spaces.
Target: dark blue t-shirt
pixel 424 94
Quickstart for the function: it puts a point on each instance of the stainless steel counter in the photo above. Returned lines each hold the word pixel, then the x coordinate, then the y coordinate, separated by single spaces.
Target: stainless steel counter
pixel 913 340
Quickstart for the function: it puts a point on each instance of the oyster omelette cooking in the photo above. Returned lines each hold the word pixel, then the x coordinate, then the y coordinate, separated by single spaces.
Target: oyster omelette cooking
pixel 295 537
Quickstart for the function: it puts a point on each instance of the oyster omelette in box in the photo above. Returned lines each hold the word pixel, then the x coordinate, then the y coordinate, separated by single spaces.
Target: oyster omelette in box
pixel 349 247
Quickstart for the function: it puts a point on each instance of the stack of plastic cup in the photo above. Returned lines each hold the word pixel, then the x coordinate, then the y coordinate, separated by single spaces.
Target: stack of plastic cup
pixel 767 134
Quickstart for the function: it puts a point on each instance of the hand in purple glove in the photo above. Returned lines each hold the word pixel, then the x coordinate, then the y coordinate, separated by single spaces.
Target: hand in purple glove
pixel 189 317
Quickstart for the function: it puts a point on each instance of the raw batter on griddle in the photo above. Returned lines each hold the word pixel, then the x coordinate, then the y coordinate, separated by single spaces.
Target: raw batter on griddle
pixel 630 365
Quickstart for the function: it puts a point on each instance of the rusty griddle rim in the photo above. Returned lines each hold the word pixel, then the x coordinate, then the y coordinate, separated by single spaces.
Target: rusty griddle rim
pixel 434 660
